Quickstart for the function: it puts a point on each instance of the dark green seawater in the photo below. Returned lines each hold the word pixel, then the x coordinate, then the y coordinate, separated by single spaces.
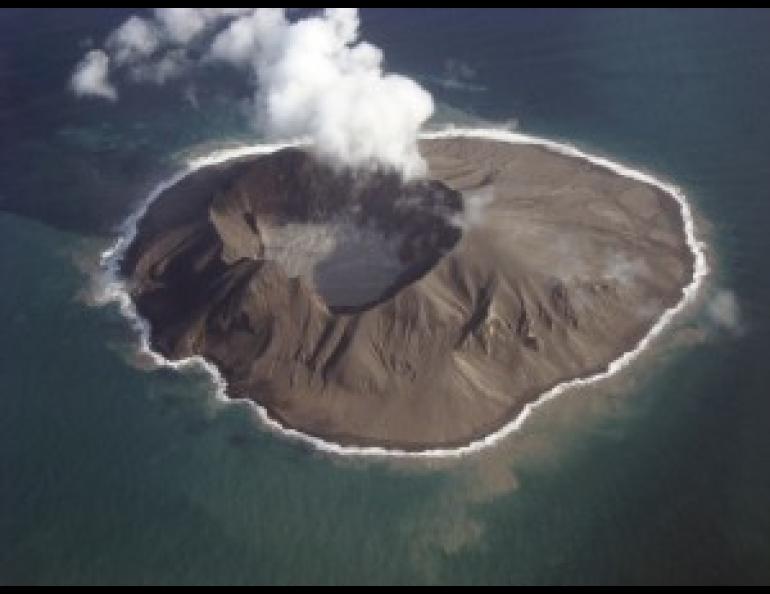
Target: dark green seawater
pixel 110 473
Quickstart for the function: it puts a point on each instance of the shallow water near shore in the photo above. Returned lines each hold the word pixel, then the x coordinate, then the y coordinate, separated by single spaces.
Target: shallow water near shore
pixel 115 474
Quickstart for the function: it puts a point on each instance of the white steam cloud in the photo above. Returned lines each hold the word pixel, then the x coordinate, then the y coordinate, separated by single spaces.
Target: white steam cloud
pixel 90 76
pixel 314 77
pixel 134 40
pixel 724 311
pixel 475 203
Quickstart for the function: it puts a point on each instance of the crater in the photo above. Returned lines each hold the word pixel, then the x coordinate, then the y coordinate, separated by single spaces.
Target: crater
pixel 355 239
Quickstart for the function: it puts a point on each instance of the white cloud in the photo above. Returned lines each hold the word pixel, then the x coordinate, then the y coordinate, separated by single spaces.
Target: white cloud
pixel 318 80
pixel 90 76
pixel 168 66
pixel 724 311
pixel 314 77
pixel 184 24
pixel 134 40
pixel 240 42
pixel 459 75
pixel 623 270
pixel 475 203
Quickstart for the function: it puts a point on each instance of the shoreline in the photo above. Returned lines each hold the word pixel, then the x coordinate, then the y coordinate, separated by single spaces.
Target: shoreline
pixel 115 291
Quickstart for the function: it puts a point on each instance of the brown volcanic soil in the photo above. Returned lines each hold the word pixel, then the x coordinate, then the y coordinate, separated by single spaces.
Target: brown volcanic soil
pixel 369 312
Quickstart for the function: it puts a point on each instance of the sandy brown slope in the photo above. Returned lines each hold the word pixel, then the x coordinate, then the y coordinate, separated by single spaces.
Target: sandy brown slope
pixel 546 268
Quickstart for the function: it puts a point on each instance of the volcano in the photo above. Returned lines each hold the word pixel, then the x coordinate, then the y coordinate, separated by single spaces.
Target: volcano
pixel 366 310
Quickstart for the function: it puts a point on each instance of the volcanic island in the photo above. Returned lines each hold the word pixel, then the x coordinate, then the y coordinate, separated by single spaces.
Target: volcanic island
pixel 371 311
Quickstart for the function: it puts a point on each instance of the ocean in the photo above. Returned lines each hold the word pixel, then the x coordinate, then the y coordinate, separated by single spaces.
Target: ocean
pixel 116 472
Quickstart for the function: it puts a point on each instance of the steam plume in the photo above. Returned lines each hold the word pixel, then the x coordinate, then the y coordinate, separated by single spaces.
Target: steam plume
pixel 314 77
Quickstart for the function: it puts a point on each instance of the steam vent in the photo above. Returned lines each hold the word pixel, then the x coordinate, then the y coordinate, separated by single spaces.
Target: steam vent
pixel 370 311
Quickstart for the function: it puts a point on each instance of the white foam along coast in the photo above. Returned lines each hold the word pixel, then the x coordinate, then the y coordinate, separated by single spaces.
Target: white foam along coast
pixel 115 290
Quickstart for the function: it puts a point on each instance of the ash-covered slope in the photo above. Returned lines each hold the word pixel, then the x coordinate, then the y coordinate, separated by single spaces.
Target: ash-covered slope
pixel 366 311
